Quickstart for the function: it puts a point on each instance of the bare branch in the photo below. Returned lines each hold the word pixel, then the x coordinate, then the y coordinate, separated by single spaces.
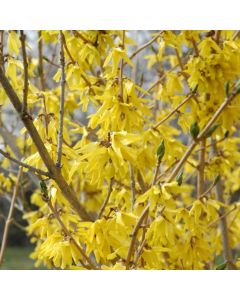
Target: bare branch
pixel 173 111
pixel 106 200
pixel 1 48
pixel 134 235
pixel 62 99
pixel 133 188
pixel 227 252
pixel 40 61
pixel 156 171
pixel 201 166
pixel 20 163
pixel 146 45
pixel 25 66
pixel 121 69
pixel 10 215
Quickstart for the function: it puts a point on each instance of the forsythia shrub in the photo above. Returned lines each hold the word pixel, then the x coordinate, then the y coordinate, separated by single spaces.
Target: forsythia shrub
pixel 147 180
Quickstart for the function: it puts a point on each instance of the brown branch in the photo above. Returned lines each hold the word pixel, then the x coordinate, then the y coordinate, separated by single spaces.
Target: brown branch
pixel 71 238
pixel 173 111
pixel 10 215
pixel 1 48
pixel 156 171
pixel 236 35
pixel 62 99
pixel 223 216
pixel 20 163
pixel 203 195
pixel 51 62
pixel 107 199
pixel 217 36
pixel 66 48
pixel 195 47
pixel 133 187
pixel 201 166
pixel 25 68
pixel 121 69
pixel 134 235
pixel 40 61
pixel 227 252
pixel 79 35
pixel 201 135
pixel 53 170
pixel 146 45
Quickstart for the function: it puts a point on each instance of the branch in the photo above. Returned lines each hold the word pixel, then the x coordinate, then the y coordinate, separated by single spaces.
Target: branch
pixel 227 252
pixel 51 62
pixel 201 166
pixel 1 48
pixel 106 200
pixel 201 135
pixel 134 235
pixel 174 110
pixel 146 45
pixel 25 66
pixel 64 44
pixel 79 35
pixel 53 170
pixel 121 69
pixel 133 188
pixel 20 163
pixel 203 195
pixel 10 215
pixel 156 171
pixel 61 110
pixel 40 61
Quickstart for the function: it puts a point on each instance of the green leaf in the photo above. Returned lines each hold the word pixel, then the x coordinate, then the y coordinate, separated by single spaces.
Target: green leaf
pixel 222 266
pixel 226 88
pixel 217 178
pixel 194 130
pixel 161 150
pixel 179 178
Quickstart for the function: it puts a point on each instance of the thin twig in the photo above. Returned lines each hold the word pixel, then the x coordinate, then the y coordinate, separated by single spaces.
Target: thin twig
pixel 223 216
pixel 203 195
pixel 64 44
pixel 10 215
pixel 121 69
pixel 20 163
pixel 227 252
pixel 146 45
pixel 25 70
pixel 201 166
pixel 79 35
pixel 134 235
pixel 1 48
pixel 236 35
pixel 51 62
pixel 62 99
pixel 133 188
pixel 107 199
pixel 173 111
pixel 156 171
pixel 40 61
